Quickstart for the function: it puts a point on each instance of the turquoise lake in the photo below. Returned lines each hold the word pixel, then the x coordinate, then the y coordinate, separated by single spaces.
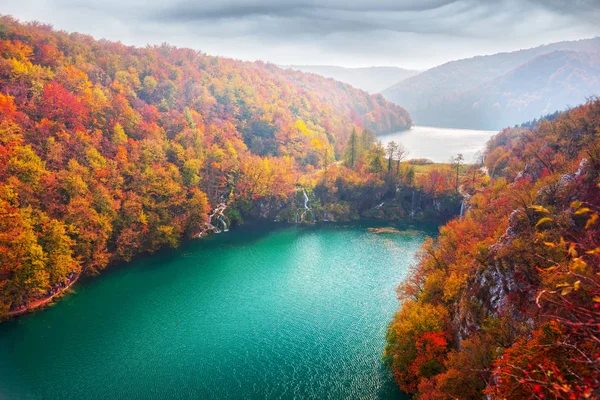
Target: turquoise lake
pixel 271 312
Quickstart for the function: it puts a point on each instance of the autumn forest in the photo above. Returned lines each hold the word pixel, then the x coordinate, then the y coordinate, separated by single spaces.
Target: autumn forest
pixel 110 152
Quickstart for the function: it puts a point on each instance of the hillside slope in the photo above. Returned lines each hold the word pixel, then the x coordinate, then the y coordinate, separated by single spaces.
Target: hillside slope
pixel 450 84
pixel 107 151
pixel 504 303
pixel 541 86
pixel 369 79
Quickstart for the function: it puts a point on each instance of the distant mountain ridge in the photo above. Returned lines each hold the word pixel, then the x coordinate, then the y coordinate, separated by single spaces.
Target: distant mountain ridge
pixel 492 92
pixel 369 79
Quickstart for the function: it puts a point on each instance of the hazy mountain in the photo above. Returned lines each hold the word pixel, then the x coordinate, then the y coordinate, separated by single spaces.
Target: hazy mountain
pixel 491 92
pixel 370 79
pixel 547 83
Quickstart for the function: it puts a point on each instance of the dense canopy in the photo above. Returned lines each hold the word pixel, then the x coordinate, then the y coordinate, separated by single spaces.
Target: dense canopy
pixel 506 301
pixel 107 151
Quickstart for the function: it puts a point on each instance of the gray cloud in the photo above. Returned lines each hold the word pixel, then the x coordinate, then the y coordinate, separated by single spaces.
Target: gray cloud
pixel 408 33
pixel 187 11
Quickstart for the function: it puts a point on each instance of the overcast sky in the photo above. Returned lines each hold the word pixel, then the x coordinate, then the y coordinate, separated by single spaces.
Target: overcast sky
pixel 354 33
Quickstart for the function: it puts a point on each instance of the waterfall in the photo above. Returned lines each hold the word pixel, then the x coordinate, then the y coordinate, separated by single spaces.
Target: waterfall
pixel 222 219
pixel 412 205
pixel 305 200
pixel 218 213
pixel 464 204
pixel 306 208
pixel 214 228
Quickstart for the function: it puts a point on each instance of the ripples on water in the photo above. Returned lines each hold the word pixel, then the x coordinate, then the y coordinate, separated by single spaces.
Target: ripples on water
pixel 296 312
pixel 439 144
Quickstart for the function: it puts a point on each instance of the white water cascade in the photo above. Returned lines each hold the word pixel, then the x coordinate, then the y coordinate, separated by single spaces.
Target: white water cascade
pixel 223 222
pixel 218 213
pixel 464 204
pixel 307 209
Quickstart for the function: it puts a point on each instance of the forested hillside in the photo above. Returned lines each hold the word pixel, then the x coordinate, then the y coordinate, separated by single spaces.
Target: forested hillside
pixel 107 151
pixel 500 90
pixel 369 79
pixel 506 301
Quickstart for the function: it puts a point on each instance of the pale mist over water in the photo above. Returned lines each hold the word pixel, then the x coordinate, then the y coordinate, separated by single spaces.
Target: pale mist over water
pixel 439 144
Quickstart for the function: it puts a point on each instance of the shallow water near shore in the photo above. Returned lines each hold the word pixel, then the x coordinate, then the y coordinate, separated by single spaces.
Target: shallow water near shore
pixel 259 312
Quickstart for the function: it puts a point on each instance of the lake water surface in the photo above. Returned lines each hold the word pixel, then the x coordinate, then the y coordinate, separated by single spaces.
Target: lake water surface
pixel 256 313
pixel 439 144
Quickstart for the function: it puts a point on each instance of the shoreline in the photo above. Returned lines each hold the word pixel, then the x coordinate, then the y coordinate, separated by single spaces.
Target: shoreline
pixel 41 302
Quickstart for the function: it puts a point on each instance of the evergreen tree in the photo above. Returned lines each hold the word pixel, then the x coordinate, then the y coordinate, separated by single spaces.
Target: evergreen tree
pixel 352 150
pixel 391 149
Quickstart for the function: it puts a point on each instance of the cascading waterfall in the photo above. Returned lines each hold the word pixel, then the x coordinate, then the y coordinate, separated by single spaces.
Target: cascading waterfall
pixel 305 200
pixel 218 213
pixel 306 209
pixel 412 205
pixel 222 219
pixel 464 204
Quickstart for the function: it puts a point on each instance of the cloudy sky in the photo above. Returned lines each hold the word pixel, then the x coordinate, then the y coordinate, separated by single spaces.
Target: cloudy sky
pixel 406 33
